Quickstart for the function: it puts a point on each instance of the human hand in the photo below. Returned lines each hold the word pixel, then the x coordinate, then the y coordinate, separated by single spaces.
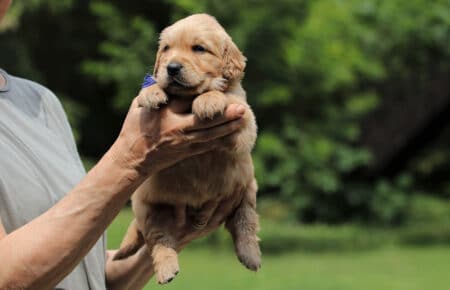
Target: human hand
pixel 152 140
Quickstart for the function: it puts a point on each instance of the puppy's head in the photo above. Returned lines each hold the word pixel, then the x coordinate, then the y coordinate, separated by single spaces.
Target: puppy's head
pixel 196 55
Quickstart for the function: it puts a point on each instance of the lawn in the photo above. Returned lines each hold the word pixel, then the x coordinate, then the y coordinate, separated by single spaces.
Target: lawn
pixel 391 268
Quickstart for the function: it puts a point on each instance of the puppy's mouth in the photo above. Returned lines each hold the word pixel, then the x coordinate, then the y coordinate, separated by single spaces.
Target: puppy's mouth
pixel 180 83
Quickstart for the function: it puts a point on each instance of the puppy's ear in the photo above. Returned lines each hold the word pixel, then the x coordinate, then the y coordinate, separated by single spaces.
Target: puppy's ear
pixel 158 53
pixel 234 61
pixel 155 69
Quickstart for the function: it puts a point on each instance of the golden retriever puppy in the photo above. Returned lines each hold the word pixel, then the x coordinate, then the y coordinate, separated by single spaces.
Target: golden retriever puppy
pixel 198 61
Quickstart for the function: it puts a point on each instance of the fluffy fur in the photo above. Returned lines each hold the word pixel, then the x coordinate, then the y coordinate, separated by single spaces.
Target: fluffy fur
pixel 210 76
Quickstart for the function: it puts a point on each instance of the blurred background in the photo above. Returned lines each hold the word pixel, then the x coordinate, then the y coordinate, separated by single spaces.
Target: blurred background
pixel 352 100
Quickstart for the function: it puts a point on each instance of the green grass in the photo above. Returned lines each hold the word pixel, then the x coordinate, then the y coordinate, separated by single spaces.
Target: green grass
pixel 391 267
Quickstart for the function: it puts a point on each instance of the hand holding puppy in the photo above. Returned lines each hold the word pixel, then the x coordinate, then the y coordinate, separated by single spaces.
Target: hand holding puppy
pixel 157 139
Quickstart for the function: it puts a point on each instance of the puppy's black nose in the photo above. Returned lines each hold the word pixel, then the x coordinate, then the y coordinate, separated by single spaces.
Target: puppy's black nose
pixel 174 68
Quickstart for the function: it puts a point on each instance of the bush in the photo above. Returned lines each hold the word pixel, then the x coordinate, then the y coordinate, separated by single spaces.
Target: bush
pixel 425 235
pixel 278 238
pixel 315 70
pixel 428 210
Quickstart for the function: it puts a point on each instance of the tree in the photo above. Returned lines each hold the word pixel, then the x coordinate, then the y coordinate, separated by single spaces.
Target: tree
pixel 315 70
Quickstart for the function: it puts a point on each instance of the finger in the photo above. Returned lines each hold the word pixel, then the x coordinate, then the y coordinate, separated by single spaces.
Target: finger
pixel 213 133
pixel 189 235
pixel 179 106
pixel 180 215
pixel 203 147
pixel 232 112
pixel 201 219
pixel 224 210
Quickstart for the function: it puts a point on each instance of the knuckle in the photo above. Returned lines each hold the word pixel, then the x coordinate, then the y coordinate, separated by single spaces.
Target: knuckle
pixel 198 147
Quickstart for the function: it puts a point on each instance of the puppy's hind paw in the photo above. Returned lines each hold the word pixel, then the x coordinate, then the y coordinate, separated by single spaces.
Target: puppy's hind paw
pixel 167 274
pixel 249 254
pixel 166 266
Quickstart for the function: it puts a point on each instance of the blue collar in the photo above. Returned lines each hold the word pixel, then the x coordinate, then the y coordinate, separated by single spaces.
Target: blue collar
pixel 148 81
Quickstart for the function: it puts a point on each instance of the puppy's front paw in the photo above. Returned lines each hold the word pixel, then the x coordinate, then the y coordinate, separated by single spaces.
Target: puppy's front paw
pixel 209 104
pixel 152 97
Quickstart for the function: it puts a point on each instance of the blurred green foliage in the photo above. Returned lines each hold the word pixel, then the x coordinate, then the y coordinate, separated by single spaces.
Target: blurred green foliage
pixel 315 70
pixel 128 47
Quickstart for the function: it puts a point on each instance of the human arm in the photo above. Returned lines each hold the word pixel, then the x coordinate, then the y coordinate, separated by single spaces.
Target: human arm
pixel 42 252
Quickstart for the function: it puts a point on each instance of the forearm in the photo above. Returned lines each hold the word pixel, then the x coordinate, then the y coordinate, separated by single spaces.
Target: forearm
pixel 41 253
pixel 130 273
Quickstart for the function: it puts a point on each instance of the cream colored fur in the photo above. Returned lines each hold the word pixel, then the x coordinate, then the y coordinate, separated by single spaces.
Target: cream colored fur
pixel 212 80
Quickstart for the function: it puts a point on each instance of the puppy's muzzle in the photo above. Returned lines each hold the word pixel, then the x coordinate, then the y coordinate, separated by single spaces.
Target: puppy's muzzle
pixel 174 68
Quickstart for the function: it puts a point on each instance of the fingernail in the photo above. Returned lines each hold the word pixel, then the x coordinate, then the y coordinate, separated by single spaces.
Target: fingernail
pixel 240 110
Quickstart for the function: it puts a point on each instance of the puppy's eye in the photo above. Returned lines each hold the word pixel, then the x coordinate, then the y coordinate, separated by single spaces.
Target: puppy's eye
pixel 198 48
pixel 165 48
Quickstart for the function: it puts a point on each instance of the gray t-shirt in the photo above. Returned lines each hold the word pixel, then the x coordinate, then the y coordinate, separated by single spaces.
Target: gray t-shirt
pixel 39 164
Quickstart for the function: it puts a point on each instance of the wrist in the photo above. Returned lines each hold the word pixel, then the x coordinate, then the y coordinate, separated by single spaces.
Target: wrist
pixel 112 175
pixel 132 159
pixel 144 259
pixel 130 273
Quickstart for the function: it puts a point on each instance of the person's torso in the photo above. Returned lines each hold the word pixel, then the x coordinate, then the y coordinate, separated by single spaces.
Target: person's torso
pixel 39 165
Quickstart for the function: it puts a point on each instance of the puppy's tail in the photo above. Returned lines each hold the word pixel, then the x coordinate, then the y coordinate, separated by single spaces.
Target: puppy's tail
pixel 131 243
